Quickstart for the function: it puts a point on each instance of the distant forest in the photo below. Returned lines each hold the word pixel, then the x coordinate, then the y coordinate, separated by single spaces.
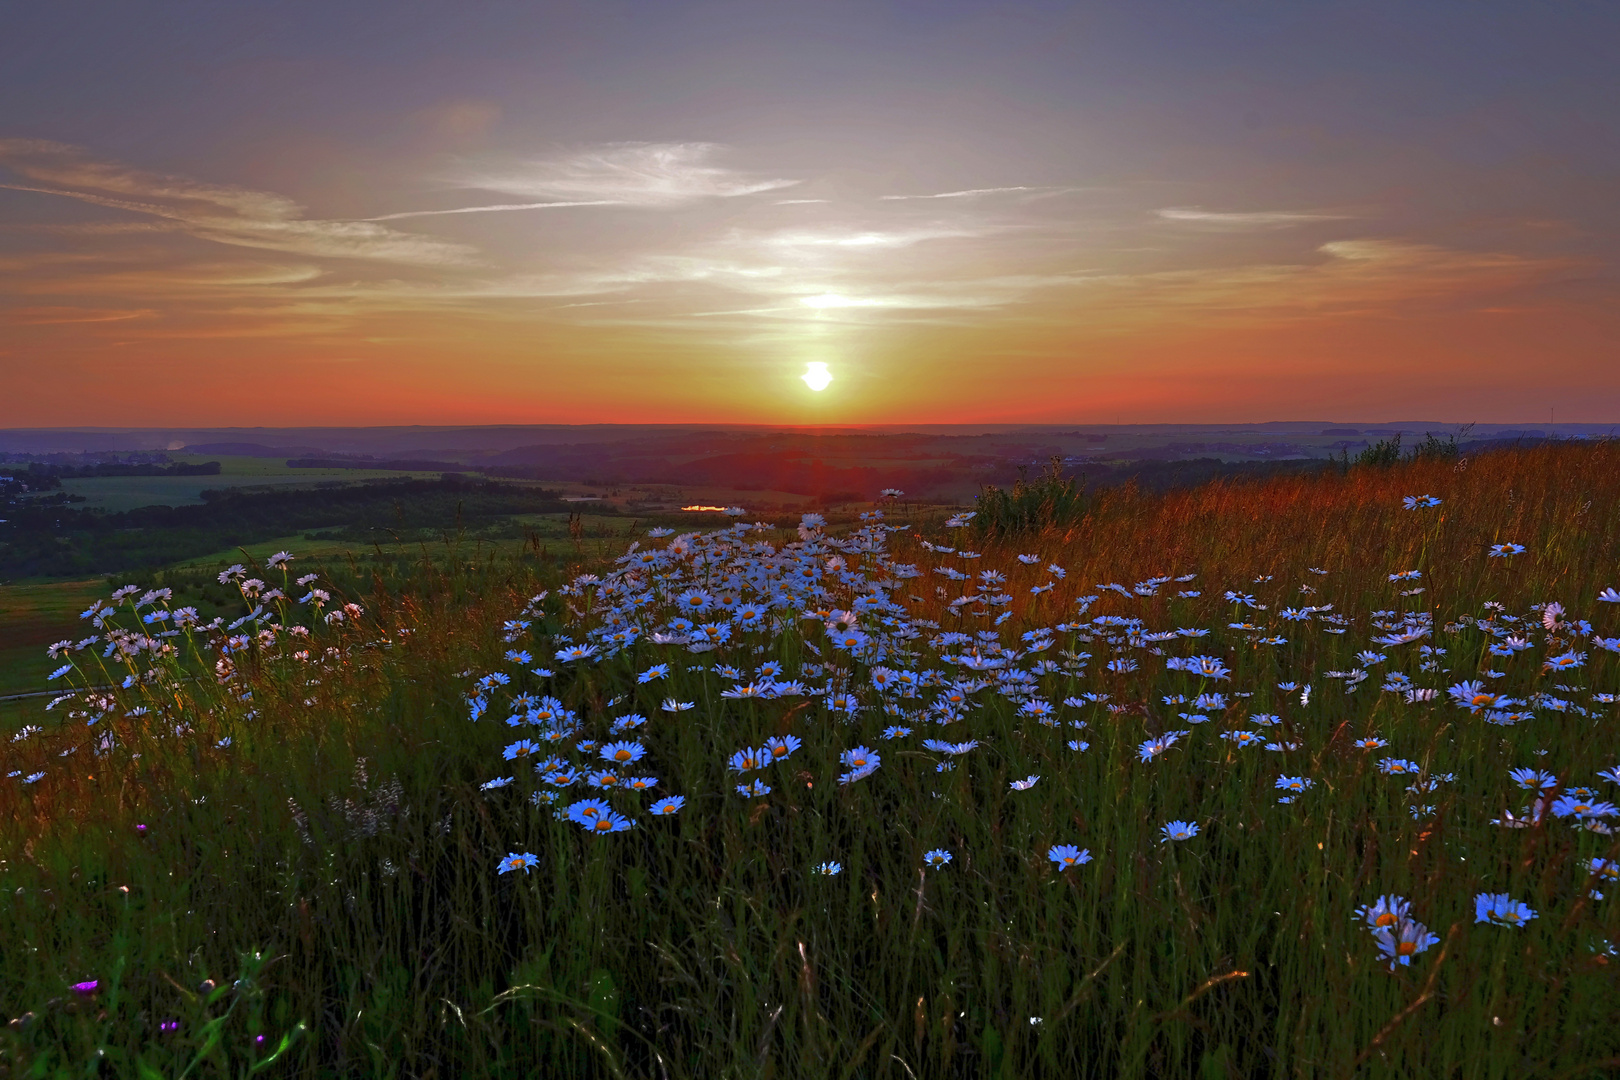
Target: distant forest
pixel 61 541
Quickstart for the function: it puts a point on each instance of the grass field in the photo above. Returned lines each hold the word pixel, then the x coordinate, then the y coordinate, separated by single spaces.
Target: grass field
pixel 31 618
pixel 1222 783
pixel 116 493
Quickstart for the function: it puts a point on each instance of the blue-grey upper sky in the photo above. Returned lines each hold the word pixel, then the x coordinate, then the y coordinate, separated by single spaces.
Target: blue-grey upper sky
pixel 639 210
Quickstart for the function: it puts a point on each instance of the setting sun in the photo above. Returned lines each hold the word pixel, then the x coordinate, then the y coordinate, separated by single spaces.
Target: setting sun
pixel 817 377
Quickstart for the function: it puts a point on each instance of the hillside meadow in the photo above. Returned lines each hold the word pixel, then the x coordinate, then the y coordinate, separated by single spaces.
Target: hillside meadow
pixel 1309 776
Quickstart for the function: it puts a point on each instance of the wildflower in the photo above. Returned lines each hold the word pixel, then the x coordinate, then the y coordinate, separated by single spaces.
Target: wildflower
pixel 1372 742
pixel 939 747
pixel 1244 739
pixel 859 758
pixel 1179 830
pixel 576 652
pixel 1473 696
pixel 1533 779
pixel 1569 805
pixel 1152 748
pixel 758 789
pixel 1608 869
pixel 622 753
pixel 779 747
pixel 1026 783
pixel 560 776
pixel 609 822
pixel 1565 661
pixel 671 805
pixel 747 760
pixel 1067 855
pixel 827 869
pixel 1500 551
pixel 514 861
pixel 521 749
pixel 1384 912
pixel 1295 783
pixel 85 989
pixel 498 782
pixel 1397 767
pixel 1121 664
pixel 1414 502
pixel 1608 596
pixel 671 705
pixel 937 858
pixel 586 811
pixel 1501 910
pixel 1404 940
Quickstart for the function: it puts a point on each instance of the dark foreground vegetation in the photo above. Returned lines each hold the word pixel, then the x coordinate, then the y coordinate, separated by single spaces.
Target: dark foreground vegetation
pixel 281 851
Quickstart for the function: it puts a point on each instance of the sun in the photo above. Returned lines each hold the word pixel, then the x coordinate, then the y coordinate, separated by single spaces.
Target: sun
pixel 816 376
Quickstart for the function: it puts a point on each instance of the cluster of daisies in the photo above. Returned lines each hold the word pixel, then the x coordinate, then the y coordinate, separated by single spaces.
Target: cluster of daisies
pixel 726 600
pixel 131 666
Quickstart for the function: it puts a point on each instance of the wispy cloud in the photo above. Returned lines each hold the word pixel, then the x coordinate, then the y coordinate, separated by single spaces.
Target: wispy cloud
pixel 971 192
pixel 217 212
pixel 1247 219
pixel 624 174
pixel 491 209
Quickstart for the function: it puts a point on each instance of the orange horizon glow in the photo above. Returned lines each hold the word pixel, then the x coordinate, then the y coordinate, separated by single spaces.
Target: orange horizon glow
pixel 1054 218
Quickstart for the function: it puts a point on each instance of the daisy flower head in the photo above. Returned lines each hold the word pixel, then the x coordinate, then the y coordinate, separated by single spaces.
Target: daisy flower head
pixel 757 790
pixel 1152 748
pixel 609 822
pixel 586 811
pixel 1572 805
pixel 1533 779
pixel 1398 767
pixel 1605 869
pixel 1294 783
pixel 1502 551
pixel 1609 596
pixel 937 858
pixel 641 783
pixel 1026 783
pixel 780 747
pixel 622 753
pixel 1179 830
pixel 1406 939
pixel 859 757
pixel 1067 855
pixel 1384 912
pixel 1417 502
pixel 514 861
pixel 1499 909
pixel 657 671
pixel 1372 742
pixel 748 759
pixel 669 806
pixel 521 749
pixel 828 869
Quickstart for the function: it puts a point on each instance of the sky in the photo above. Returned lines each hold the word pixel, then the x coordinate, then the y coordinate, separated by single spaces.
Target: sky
pixel 281 213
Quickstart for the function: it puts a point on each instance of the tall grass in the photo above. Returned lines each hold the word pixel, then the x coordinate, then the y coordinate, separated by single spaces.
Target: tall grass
pixel 327 880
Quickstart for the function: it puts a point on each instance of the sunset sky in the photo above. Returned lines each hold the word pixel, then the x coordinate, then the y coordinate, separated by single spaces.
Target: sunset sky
pixel 635 211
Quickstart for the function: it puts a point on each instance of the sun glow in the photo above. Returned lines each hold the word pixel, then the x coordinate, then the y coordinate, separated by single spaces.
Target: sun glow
pixel 816 376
